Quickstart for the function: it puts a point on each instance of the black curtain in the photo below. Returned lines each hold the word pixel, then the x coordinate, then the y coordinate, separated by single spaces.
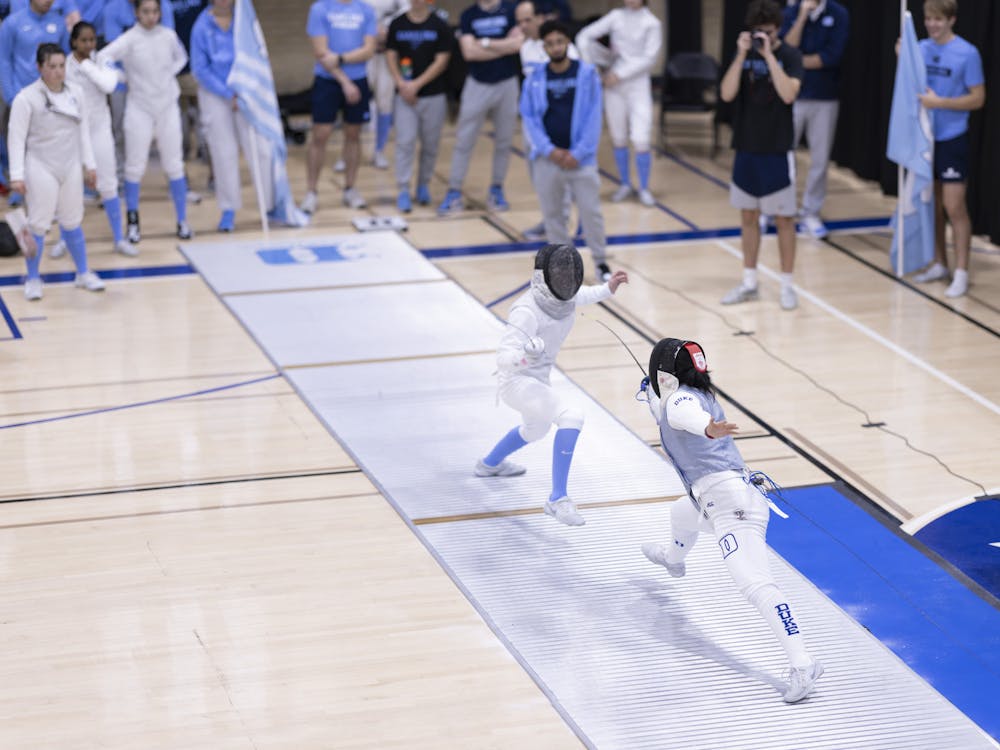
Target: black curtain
pixel 868 71
pixel 683 26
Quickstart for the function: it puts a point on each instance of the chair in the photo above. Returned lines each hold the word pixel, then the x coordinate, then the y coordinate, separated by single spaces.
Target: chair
pixel 686 79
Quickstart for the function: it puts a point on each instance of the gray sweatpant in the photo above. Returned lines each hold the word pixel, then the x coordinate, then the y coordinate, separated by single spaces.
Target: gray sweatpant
pixel 818 120
pixel 498 101
pixel 584 184
pixel 422 121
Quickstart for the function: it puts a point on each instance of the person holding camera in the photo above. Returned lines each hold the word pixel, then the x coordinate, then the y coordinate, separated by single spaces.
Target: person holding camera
pixel 763 82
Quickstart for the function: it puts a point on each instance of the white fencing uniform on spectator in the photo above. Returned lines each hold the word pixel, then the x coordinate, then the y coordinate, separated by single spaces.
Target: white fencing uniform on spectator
pixel 383 87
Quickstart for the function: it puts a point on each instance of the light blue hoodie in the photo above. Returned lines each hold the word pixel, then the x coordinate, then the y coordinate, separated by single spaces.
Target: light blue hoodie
pixel 212 54
pixel 585 126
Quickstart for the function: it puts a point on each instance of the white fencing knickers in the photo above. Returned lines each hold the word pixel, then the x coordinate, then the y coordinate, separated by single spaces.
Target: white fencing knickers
pixel 140 128
pixel 628 109
pixel 540 407
pixel 102 140
pixel 52 193
pixel 382 85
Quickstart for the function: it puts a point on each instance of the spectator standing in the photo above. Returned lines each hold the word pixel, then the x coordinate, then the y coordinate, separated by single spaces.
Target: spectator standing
pixel 636 36
pixel 49 151
pixel 68 9
pixel 957 87
pixel 151 56
pixel 381 80
pixel 762 82
pixel 818 29
pixel 490 42
pixel 418 48
pixel 342 33
pixel 561 110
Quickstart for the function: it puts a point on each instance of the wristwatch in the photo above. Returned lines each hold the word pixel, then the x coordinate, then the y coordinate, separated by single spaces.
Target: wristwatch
pixel 485 41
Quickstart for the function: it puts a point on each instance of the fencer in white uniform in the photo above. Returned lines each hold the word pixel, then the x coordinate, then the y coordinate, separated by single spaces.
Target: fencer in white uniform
pixel 151 55
pixel 540 319
pixel 723 496
pixel 380 79
pixel 636 37
pixel 50 151
pixel 96 82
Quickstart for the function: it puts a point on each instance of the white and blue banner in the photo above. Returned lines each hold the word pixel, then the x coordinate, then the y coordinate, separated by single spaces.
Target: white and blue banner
pixel 911 145
pixel 252 81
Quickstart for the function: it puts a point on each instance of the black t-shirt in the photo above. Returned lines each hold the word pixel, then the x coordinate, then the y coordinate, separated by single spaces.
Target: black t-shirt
pixel 560 89
pixel 417 44
pixel 762 123
pixel 495 24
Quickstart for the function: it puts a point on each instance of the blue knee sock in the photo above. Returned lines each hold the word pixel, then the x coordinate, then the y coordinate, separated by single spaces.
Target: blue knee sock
pixel 382 127
pixel 562 457
pixel 179 191
pixel 643 161
pixel 131 196
pixel 113 209
pixel 621 160
pixel 34 263
pixel 509 443
pixel 77 245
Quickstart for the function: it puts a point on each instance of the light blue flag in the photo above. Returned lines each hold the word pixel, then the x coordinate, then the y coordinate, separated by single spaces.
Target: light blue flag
pixel 253 83
pixel 911 145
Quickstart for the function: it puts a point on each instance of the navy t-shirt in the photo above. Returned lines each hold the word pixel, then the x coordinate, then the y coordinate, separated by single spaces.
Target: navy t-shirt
pixel 495 24
pixel 762 122
pixel 560 89
pixel 826 37
pixel 420 43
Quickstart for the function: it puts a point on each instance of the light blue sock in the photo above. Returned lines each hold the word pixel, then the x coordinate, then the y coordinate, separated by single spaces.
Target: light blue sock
pixel 562 457
pixel 131 196
pixel 643 161
pixel 34 263
pixel 621 160
pixel 113 209
pixel 382 127
pixel 509 443
pixel 77 245
pixel 179 192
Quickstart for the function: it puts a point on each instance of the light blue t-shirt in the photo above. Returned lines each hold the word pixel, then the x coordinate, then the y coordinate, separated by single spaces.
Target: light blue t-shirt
pixel 952 69
pixel 345 26
pixel 20 35
pixel 62 7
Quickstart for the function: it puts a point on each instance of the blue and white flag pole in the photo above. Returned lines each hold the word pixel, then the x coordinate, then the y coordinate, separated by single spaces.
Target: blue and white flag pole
pixel 252 81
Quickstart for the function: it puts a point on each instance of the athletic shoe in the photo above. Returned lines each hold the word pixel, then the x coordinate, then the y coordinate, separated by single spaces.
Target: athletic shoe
pixel 603 272
pixel 58 250
pixel 308 204
pixel 33 289
pixel 423 195
pixel 379 161
pixel 564 511
pixel 126 248
pixel 535 233
pixel 788 298
pixel 959 285
pixel 739 294
pixel 353 199
pixel 657 553
pixel 339 165
pixel 813 226
pixel 184 231
pixel 801 681
pixel 496 201
pixel 193 197
pixel 646 198
pixel 623 192
pixel 132 233
pixel 403 202
pixel 228 221
pixel 503 469
pixel 935 272
pixel 451 204
pixel 89 281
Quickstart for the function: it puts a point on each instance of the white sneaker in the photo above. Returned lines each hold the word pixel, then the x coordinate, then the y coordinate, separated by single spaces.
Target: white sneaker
pixel 564 511
pixel 339 166
pixel 308 204
pixel 789 299
pixel 33 289
pixel 503 469
pixel 812 226
pixel 193 197
pixel 89 281
pixel 623 192
pixel 801 681
pixel 959 285
pixel 657 553
pixel 646 198
pixel 58 250
pixel 126 248
pixel 379 161
pixel 353 199
pixel 739 294
pixel 935 272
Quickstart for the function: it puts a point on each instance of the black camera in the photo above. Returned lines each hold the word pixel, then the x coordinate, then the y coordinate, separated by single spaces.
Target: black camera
pixel 758 43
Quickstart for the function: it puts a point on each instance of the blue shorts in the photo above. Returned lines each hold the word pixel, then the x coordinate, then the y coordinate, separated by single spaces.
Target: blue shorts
pixel 328 99
pixel 951 159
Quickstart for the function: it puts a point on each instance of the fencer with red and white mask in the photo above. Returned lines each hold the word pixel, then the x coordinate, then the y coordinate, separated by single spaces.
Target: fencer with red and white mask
pixel 539 322
pixel 723 496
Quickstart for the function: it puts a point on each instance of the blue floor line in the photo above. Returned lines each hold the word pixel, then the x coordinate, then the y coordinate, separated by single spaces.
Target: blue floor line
pixel 11 323
pixel 59 277
pixel 936 624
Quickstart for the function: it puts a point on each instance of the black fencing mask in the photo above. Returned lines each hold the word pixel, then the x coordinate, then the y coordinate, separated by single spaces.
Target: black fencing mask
pixel 673 362
pixel 562 268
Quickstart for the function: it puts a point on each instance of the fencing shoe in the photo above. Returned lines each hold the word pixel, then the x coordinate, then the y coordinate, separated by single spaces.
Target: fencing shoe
pixel 184 231
pixel 657 553
pixel 564 511
pixel 58 249
pixel 126 248
pixel 646 198
pixel 33 289
pixel 90 281
pixel 503 469
pixel 132 233
pixel 801 681
pixel 623 192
